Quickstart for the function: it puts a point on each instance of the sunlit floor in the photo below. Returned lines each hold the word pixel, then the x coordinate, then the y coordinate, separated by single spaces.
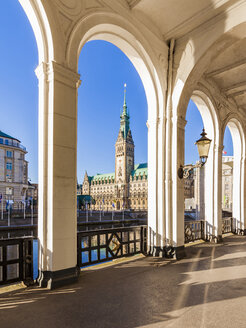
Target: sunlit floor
pixel 206 289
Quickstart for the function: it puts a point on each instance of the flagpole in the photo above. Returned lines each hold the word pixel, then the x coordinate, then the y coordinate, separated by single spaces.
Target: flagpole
pixel 100 212
pixel 8 215
pixel 25 204
pixel 2 205
pixel 32 210
pixel 86 212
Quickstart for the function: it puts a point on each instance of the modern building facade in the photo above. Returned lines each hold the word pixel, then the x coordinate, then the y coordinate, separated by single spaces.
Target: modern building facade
pixel 127 187
pixel 13 171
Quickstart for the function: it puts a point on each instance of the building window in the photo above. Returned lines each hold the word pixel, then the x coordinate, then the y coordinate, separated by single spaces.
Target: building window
pixel 1 140
pixel 9 177
pixel 9 166
pixel 6 142
pixel 9 191
pixel 9 153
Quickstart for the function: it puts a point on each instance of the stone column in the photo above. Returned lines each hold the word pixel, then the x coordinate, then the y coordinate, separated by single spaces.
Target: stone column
pixel 237 187
pixel 162 236
pixel 153 239
pixel 217 190
pixel 57 217
pixel 243 193
pixel 177 236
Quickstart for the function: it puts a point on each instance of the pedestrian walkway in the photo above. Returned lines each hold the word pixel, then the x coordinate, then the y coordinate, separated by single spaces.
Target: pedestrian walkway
pixel 206 289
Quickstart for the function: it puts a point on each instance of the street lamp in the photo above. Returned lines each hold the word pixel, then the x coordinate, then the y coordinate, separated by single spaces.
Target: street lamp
pixel 203 145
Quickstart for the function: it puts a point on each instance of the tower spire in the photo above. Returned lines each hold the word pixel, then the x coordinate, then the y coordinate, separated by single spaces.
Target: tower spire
pixel 124 117
pixel 125 94
pixel 124 105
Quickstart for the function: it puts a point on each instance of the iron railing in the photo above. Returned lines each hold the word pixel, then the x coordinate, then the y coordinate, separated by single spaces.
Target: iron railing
pixel 195 230
pixel 16 260
pixel 104 245
pixel 227 225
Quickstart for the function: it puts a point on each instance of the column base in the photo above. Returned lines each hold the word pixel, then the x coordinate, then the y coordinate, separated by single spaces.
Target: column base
pixel 214 239
pixel 55 279
pixel 169 252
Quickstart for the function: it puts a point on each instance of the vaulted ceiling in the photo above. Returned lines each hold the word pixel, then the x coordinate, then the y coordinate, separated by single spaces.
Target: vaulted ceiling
pixel 228 69
pixel 175 18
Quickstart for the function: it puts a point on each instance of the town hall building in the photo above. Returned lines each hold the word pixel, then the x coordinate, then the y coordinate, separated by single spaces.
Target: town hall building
pixel 127 187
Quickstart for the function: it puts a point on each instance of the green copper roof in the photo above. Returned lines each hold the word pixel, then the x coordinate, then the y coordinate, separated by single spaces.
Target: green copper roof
pixel 4 135
pixel 140 169
pixel 103 176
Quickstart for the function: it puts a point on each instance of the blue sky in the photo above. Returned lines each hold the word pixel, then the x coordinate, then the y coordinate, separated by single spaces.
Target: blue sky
pixel 104 69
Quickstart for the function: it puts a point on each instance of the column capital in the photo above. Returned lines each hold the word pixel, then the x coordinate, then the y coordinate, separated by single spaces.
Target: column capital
pixel 218 148
pixel 152 123
pixel 161 120
pixel 179 121
pixel 41 70
pixel 54 71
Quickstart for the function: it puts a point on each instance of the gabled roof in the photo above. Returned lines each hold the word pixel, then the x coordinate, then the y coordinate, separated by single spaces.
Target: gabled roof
pixel 4 135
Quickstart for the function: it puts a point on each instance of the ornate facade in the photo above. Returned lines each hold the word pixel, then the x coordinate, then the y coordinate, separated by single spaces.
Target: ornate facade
pixel 127 188
pixel 194 188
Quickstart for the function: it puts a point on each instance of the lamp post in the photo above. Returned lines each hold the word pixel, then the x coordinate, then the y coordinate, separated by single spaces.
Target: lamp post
pixel 203 145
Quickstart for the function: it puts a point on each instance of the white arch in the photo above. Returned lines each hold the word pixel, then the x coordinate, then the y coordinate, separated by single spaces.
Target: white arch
pixel 112 28
pixel 238 200
pixel 41 28
pixel 212 171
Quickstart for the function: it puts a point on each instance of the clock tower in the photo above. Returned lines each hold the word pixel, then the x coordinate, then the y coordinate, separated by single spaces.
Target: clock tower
pixel 124 158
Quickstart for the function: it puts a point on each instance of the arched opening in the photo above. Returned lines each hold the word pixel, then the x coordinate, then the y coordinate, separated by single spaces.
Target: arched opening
pixel 233 173
pixel 227 174
pixel 112 133
pixel 204 180
pixel 125 41
pixel 18 138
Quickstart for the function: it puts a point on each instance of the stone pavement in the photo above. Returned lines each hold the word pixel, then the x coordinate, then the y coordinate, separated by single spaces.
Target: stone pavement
pixel 206 289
